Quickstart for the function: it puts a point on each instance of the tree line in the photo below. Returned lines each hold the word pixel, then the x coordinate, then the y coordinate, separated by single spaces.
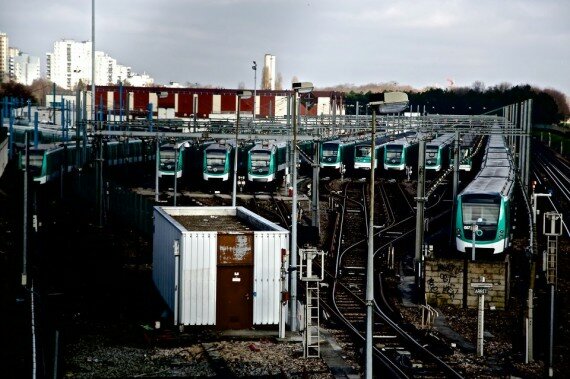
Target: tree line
pixel 549 105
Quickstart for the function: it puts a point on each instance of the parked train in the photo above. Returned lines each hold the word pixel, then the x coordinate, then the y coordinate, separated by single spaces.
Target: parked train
pixel 47 160
pixel 171 158
pixel 401 152
pixel 266 161
pixel 218 161
pixel 485 204
pixel 363 155
pixel 337 154
pixel 437 152
pixel 467 147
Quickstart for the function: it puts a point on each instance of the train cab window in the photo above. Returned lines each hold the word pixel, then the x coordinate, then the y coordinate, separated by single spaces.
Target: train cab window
pixel 394 152
pixel 36 160
pixel 330 150
pixel 484 211
pixel 167 154
pixel 216 158
pixel 431 152
pixel 363 151
pixel 260 159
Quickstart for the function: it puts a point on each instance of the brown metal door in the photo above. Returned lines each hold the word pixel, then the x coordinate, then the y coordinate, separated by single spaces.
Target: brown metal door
pixel 234 305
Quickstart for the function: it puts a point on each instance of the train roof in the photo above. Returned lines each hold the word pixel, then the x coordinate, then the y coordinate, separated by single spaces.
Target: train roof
pixel 265 146
pixel 490 185
pixel 442 140
pixel 220 146
pixel 497 163
pixel 496 155
pixel 496 141
pixel 468 140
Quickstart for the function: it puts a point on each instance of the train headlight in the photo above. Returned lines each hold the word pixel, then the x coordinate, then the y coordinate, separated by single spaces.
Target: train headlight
pixel 501 233
pixel 458 232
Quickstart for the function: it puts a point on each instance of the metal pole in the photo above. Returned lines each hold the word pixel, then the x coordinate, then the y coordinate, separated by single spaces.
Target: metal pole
pixel 293 265
pixel 157 161
pixel 254 88
pixel 530 350
pixel 370 257
pixel 315 189
pixel 56 354
pixel 528 143
pixel 77 126
pixel 236 148
pixel 175 171
pixel 92 60
pixel 480 322
pixel 474 228
pixel 36 124
pixel 551 339
pixel 420 210
pixel 456 157
pixel 25 216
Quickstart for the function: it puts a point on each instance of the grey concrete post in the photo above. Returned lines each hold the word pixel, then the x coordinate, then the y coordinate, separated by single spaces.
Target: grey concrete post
pixel 370 257
pixel 420 198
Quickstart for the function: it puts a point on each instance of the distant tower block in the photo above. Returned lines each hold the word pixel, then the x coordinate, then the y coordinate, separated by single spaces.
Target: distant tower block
pixel 269 72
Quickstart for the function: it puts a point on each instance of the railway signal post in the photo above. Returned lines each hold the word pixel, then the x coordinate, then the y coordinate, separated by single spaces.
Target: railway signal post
pixel 481 289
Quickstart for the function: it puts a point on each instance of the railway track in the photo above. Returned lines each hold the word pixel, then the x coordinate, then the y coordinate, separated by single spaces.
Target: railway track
pixel 396 353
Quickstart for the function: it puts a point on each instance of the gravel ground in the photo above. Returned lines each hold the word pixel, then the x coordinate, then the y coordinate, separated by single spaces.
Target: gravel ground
pixel 102 355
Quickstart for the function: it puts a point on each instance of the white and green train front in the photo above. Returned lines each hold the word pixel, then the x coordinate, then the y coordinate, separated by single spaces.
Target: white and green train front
pixel 217 162
pixel 397 153
pixel 265 161
pixel 171 160
pixel 485 205
pixel 437 152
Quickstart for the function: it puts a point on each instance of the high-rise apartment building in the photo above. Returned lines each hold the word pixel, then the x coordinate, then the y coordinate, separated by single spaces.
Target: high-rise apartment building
pixel 24 68
pixel 70 62
pixel 4 71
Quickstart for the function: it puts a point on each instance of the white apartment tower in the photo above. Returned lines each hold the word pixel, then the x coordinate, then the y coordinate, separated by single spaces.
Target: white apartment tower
pixel 269 72
pixel 24 68
pixel 4 57
pixel 70 62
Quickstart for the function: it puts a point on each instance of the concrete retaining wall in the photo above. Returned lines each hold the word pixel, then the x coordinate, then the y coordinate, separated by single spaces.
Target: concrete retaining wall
pixel 444 282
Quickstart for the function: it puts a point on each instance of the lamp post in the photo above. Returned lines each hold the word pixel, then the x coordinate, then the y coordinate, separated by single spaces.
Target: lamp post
pixel 382 107
pixel 240 95
pixel 299 87
pixel 254 68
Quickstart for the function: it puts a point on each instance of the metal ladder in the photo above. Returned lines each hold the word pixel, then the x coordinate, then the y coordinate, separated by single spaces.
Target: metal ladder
pixel 312 322
pixel 551 258
pixel 311 333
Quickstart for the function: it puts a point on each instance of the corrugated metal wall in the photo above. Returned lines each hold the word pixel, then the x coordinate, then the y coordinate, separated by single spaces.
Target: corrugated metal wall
pixel 266 277
pixel 198 278
pixel 165 233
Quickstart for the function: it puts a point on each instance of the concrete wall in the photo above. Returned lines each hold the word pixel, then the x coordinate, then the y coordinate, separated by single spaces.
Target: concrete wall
pixel 444 279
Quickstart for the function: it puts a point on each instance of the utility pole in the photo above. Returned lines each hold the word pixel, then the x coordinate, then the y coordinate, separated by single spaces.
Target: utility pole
pixel 303 87
pixel 420 199
pixel 370 257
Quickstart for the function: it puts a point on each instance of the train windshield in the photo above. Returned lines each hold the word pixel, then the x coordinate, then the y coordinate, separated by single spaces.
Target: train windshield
pixel 36 159
pixel 362 151
pixel 260 159
pixel 330 149
pixel 167 154
pixel 431 151
pixel 216 158
pixel 394 152
pixel 483 210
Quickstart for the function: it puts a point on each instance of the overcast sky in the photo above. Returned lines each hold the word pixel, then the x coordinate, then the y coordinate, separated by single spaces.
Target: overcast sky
pixel 420 43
